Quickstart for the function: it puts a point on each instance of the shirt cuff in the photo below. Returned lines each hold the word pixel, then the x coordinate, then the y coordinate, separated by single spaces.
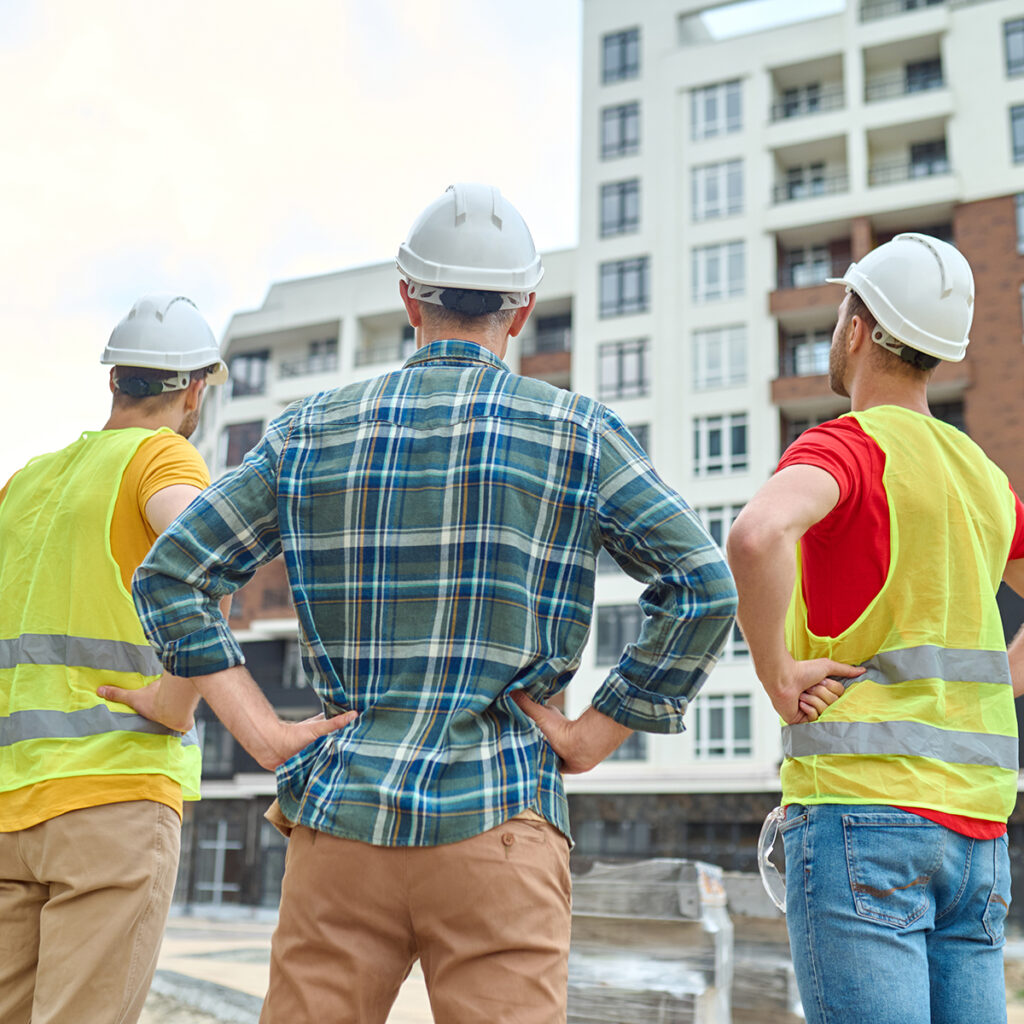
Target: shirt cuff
pixel 639 709
pixel 203 652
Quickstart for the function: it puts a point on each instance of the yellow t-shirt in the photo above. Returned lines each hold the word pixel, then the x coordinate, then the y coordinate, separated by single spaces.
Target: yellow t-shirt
pixel 162 460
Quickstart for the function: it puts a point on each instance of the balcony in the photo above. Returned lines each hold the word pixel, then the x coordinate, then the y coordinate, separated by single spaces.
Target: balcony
pixel 802 101
pixel 558 339
pixel 890 172
pixel 809 182
pixel 872 10
pixel 320 362
pixel 921 77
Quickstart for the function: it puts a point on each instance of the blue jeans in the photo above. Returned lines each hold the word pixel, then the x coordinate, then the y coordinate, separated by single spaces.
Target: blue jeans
pixel 894 919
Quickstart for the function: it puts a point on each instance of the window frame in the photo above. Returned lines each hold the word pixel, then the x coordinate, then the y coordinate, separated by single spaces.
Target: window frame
pixel 625 44
pixel 1017 133
pixel 718 95
pixel 728 745
pixel 719 179
pixel 723 255
pixel 730 458
pixel 617 279
pixel 623 120
pixel 624 196
pixel 626 385
pixel 1013 30
pixel 731 343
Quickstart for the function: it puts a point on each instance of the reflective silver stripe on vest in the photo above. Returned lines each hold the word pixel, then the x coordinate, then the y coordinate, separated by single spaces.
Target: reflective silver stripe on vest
pixel 908 739
pixel 80 651
pixel 72 725
pixel 929 662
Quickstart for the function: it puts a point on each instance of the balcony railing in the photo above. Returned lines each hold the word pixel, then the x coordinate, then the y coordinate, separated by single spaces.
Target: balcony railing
pixel 559 340
pixel 807 275
pixel 870 10
pixel 827 184
pixel 891 171
pixel 829 97
pixel 387 352
pixel 321 363
pixel 898 83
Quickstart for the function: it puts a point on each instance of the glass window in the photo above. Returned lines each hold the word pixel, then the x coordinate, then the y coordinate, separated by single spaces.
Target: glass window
pixel 927 158
pixel 1020 222
pixel 620 130
pixel 238 439
pixel 633 749
pixel 621 55
pixel 720 444
pixel 642 433
pixel 620 207
pixel 720 357
pixel 623 369
pixel 723 725
pixel 804 266
pixel 625 286
pixel 718 520
pixel 715 110
pixel 617 626
pixel 805 353
pixel 1017 133
pixel 718 272
pixel 1013 33
pixel 248 373
pixel 717 190
pixel 920 75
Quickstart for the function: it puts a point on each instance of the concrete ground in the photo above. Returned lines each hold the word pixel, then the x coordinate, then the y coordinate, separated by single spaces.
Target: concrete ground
pixel 215 972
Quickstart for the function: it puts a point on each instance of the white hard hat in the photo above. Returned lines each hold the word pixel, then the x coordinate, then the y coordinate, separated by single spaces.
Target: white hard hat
pixel 165 332
pixel 470 239
pixel 920 290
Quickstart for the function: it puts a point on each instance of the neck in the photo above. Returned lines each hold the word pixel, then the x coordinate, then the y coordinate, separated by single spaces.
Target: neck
pixel 485 339
pixel 870 391
pixel 122 419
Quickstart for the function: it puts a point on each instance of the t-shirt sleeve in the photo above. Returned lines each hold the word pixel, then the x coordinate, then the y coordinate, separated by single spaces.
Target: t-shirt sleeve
pixel 840 447
pixel 1017 546
pixel 166 460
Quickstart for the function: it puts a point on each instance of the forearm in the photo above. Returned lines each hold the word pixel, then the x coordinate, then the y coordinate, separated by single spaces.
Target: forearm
pixel 236 699
pixel 1015 652
pixel 176 700
pixel 764 568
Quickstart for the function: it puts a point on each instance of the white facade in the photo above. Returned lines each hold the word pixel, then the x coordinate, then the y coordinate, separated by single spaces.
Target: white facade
pixel 715 176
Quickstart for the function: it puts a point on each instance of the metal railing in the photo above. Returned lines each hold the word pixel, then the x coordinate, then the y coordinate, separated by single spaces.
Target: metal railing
pixel 388 352
pixel 827 184
pixel 321 363
pixel 559 340
pixel 829 97
pixel 891 171
pixel 807 275
pixel 870 10
pixel 898 83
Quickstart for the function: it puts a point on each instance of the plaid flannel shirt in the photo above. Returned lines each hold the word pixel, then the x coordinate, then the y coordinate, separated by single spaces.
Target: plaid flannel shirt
pixel 440 527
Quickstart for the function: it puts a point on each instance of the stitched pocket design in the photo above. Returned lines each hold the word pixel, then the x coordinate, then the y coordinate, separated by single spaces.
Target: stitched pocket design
pixel 891 863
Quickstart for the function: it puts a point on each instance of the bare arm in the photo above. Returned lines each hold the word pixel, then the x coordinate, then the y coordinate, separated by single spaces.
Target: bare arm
pixel 762 556
pixel 1014 578
pixel 169 700
pixel 239 703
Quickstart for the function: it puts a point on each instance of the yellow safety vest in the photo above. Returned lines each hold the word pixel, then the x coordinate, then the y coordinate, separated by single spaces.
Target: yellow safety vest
pixel 931 724
pixel 68 625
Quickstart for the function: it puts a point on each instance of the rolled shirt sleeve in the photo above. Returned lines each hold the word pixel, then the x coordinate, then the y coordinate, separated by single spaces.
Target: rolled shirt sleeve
pixel 208 552
pixel 689 601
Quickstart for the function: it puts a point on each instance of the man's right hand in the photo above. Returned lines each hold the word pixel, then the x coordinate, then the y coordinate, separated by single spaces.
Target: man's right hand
pixel 802 690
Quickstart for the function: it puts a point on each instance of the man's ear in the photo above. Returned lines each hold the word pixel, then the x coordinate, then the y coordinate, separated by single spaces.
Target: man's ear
pixel 522 315
pixel 113 387
pixel 194 393
pixel 412 306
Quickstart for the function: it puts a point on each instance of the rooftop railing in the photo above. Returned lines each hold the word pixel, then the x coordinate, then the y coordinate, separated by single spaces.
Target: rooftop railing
pixel 870 10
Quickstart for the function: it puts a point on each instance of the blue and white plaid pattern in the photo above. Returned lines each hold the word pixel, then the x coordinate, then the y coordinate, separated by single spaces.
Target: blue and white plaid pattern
pixel 440 527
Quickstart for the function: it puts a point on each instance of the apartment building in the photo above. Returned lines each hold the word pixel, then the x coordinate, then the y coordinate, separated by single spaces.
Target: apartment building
pixel 724 174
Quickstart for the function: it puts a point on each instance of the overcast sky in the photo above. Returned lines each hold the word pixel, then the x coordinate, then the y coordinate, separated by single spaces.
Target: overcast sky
pixel 211 147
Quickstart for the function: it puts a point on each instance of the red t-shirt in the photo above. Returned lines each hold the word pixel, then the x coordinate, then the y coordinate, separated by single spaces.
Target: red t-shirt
pixel 846 555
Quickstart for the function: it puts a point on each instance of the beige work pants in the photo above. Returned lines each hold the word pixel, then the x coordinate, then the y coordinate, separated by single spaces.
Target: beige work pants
pixel 487 917
pixel 83 903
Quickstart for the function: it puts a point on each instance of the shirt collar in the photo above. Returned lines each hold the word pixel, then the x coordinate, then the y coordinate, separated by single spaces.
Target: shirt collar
pixel 453 351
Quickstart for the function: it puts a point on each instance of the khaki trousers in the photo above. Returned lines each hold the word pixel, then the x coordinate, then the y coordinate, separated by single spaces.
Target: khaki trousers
pixel 487 917
pixel 83 903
